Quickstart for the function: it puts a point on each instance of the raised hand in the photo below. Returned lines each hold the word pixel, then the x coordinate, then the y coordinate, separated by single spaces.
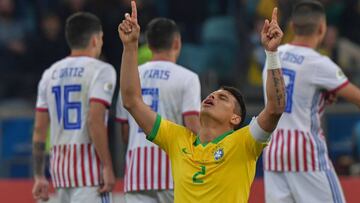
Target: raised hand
pixel 129 29
pixel 271 34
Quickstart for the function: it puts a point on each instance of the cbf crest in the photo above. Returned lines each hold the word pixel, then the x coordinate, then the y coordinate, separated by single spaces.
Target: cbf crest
pixel 218 153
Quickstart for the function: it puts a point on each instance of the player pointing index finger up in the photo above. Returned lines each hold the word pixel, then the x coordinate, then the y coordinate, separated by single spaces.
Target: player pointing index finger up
pixel 219 163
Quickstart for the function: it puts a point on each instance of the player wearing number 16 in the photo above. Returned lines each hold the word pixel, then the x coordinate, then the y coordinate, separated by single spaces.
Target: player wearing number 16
pixel 73 97
pixel 218 164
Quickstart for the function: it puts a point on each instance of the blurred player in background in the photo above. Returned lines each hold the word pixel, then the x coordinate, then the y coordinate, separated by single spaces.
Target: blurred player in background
pixel 218 165
pixel 297 166
pixel 174 93
pixel 73 97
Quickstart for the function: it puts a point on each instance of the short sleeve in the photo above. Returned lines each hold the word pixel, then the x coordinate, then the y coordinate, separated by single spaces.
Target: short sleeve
pixel 103 86
pixel 191 96
pixel 255 139
pixel 121 113
pixel 329 76
pixel 165 134
pixel 41 101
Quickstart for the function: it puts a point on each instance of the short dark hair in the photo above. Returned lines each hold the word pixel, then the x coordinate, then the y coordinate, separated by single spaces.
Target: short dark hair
pixel 160 33
pixel 306 16
pixel 240 101
pixel 80 27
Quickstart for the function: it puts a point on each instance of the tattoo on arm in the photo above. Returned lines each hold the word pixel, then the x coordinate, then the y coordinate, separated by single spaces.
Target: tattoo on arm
pixel 279 86
pixel 39 158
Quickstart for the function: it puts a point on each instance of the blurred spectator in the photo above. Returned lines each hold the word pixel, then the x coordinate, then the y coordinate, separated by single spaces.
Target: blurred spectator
pixel 47 47
pixel 13 32
pixel 334 9
pixel 257 62
pixel 111 13
pixel 189 15
pixel 69 7
pixel 329 45
pixel 350 25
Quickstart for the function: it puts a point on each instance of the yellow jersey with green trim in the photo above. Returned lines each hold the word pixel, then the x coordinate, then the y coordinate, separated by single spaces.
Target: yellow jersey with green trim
pixel 219 171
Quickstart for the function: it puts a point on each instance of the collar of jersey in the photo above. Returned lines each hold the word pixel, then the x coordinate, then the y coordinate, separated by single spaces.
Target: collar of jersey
pixel 214 141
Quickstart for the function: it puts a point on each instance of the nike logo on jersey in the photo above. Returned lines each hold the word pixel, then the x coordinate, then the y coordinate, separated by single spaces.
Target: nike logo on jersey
pixel 184 150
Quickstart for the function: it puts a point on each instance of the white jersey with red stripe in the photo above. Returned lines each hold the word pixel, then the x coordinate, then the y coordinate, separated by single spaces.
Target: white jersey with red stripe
pixel 65 91
pixel 173 92
pixel 298 143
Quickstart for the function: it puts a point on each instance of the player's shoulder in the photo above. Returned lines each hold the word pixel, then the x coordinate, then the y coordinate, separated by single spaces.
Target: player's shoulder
pixel 99 64
pixel 184 70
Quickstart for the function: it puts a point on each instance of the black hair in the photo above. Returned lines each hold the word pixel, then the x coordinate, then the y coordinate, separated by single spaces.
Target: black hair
pixel 306 16
pixel 80 27
pixel 160 33
pixel 240 100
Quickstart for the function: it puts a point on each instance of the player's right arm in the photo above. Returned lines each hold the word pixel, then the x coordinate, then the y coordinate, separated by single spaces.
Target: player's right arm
pixel 42 121
pixel 129 31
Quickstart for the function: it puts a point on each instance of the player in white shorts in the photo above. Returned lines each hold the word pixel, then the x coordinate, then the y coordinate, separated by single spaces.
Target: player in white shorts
pixel 297 166
pixel 173 92
pixel 73 99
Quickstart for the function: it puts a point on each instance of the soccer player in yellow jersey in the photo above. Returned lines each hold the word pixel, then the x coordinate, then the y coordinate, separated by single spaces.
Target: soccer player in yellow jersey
pixel 218 165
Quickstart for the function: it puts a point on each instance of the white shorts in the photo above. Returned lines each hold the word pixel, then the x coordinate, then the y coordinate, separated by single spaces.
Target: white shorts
pixel 303 187
pixel 82 195
pixel 153 196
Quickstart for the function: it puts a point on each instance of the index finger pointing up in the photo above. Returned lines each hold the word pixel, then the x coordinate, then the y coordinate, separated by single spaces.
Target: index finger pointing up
pixel 274 15
pixel 133 10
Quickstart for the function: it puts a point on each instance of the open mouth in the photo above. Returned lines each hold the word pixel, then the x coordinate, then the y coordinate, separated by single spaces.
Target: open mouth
pixel 209 102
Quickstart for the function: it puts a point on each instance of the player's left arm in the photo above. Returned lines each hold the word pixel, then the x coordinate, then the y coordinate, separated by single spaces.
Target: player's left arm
pixel 100 97
pixel 271 36
pixel 351 93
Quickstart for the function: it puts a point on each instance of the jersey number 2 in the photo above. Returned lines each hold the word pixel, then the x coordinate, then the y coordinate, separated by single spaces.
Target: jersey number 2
pixel 289 77
pixel 63 110
pixel 195 178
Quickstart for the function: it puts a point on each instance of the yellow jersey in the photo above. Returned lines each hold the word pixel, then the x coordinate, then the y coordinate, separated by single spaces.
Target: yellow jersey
pixel 219 171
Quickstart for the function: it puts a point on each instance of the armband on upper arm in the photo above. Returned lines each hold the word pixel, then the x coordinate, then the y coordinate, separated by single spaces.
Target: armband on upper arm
pixel 258 133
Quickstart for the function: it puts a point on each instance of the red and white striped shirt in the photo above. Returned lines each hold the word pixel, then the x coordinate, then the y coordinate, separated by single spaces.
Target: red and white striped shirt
pixel 298 143
pixel 165 88
pixel 65 92
pixel 74 165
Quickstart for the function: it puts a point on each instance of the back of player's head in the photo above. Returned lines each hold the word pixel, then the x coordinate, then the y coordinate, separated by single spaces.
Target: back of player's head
pixel 79 29
pixel 240 102
pixel 306 17
pixel 160 33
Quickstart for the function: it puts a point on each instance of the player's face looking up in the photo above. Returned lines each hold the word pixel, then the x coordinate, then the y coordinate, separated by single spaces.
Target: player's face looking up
pixel 223 107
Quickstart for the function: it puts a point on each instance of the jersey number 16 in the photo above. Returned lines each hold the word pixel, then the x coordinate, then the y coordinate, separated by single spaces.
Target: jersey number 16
pixel 63 108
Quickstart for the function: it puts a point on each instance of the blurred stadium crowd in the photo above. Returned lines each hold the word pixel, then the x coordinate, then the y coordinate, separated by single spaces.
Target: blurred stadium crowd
pixel 220 41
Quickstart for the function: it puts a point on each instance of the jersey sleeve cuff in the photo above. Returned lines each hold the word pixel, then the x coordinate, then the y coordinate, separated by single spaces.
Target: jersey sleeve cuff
pixel 101 101
pixel 155 129
pixel 258 133
pixel 121 120
pixel 344 84
pixel 41 109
